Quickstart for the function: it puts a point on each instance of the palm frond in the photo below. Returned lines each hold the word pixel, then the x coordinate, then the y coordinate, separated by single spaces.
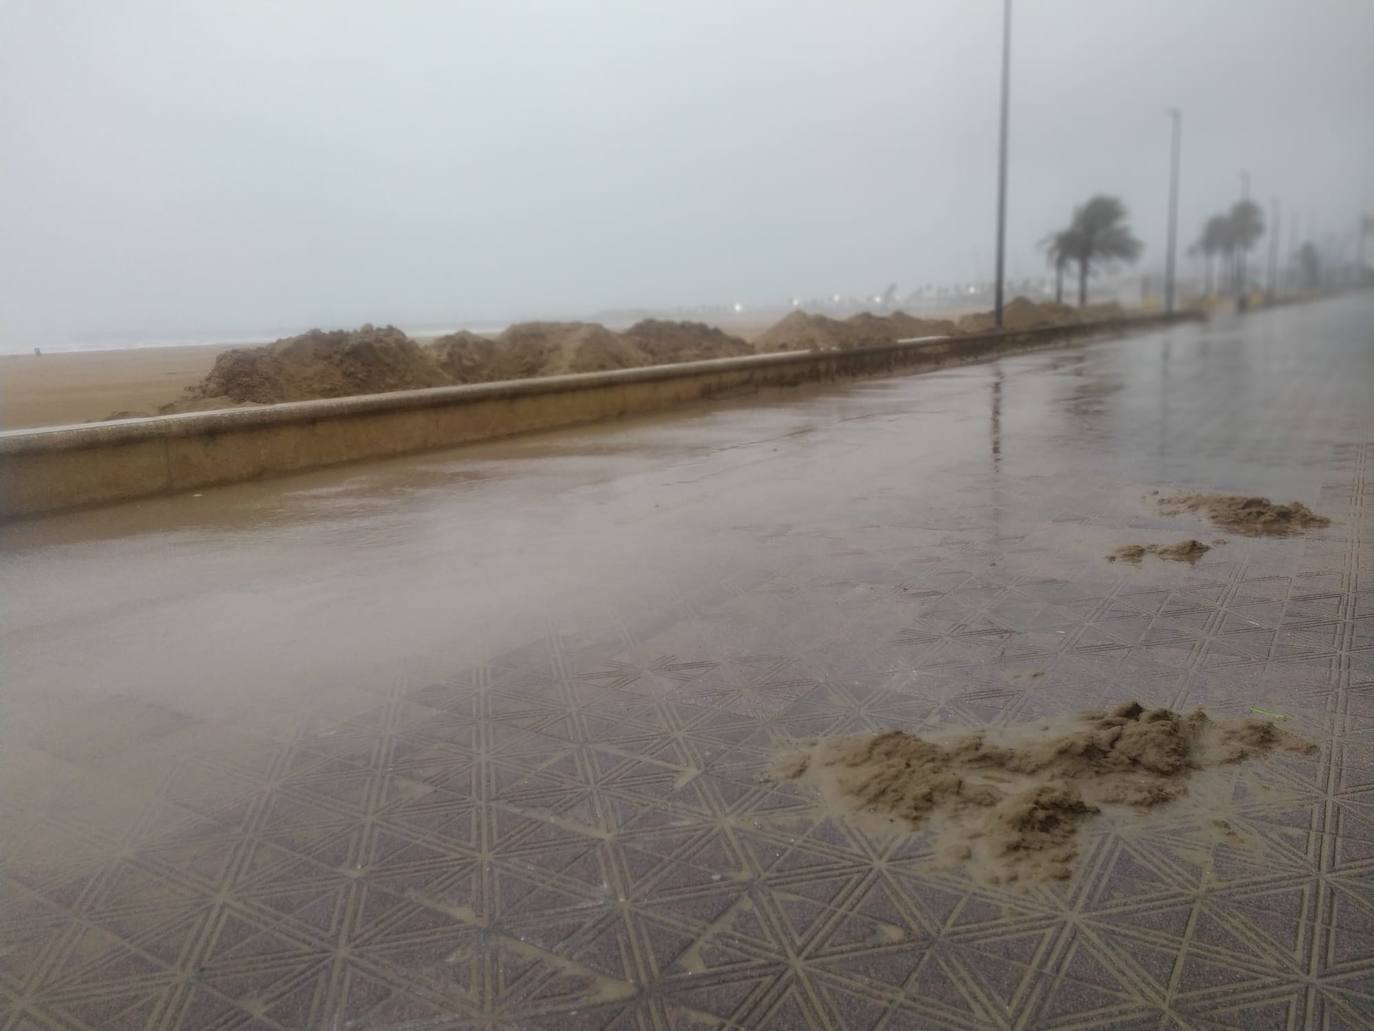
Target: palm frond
pixel 1099 233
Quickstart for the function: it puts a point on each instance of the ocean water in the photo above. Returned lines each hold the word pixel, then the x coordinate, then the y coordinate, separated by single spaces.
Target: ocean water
pixel 137 342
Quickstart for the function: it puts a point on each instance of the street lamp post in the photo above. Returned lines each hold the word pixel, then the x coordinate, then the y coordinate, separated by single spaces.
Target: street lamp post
pixel 1240 252
pixel 1274 224
pixel 1176 116
pixel 1002 166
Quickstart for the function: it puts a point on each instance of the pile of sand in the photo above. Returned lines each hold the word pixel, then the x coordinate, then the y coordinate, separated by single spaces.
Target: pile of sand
pixel 803 331
pixel 317 364
pixel 1184 551
pixel 1010 803
pixel 661 342
pixel 865 329
pixel 1109 311
pixel 1255 517
pixel 464 357
pixel 1063 314
pixel 1021 314
pixel 556 348
pixel 321 364
pixel 529 349
pixel 908 326
pixel 977 322
pixel 370 360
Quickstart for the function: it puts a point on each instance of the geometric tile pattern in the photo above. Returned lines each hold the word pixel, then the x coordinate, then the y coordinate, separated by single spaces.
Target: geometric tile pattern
pixel 571 833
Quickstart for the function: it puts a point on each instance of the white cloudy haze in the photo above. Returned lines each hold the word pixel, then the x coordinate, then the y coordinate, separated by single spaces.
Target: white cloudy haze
pixel 239 165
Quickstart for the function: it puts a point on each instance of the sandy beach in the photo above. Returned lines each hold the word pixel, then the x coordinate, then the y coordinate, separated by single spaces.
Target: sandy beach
pixel 79 386
pixel 58 388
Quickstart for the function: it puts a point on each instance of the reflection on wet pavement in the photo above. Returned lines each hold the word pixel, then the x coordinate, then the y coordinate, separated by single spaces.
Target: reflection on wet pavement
pixel 473 739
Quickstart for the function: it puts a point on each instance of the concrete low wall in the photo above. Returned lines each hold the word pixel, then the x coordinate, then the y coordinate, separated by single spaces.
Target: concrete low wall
pixel 47 470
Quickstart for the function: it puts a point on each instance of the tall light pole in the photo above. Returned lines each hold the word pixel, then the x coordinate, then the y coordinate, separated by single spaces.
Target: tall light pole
pixel 1240 253
pixel 1002 166
pixel 1274 224
pixel 1176 116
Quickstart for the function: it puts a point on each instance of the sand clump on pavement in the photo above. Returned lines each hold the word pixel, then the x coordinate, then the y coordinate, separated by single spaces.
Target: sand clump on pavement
pixel 1184 551
pixel 1253 516
pixel 1010 803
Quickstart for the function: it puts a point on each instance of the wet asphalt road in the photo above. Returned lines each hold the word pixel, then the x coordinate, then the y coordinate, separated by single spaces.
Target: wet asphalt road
pixel 475 737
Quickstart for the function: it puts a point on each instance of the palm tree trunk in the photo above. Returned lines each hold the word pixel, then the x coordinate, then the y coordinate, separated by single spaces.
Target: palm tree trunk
pixel 1082 282
pixel 1059 284
pixel 1209 263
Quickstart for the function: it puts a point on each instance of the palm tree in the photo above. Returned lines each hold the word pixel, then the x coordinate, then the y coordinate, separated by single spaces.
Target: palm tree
pixel 1216 239
pixel 1060 250
pixel 1247 226
pixel 1099 236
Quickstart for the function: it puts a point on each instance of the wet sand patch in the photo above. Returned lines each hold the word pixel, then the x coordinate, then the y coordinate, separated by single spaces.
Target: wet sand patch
pixel 1184 551
pixel 1253 516
pixel 1008 804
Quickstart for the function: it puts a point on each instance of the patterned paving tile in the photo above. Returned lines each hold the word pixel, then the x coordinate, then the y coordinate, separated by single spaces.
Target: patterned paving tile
pixel 570 830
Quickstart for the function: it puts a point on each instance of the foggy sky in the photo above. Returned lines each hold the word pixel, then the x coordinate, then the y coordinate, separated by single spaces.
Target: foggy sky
pixel 237 165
